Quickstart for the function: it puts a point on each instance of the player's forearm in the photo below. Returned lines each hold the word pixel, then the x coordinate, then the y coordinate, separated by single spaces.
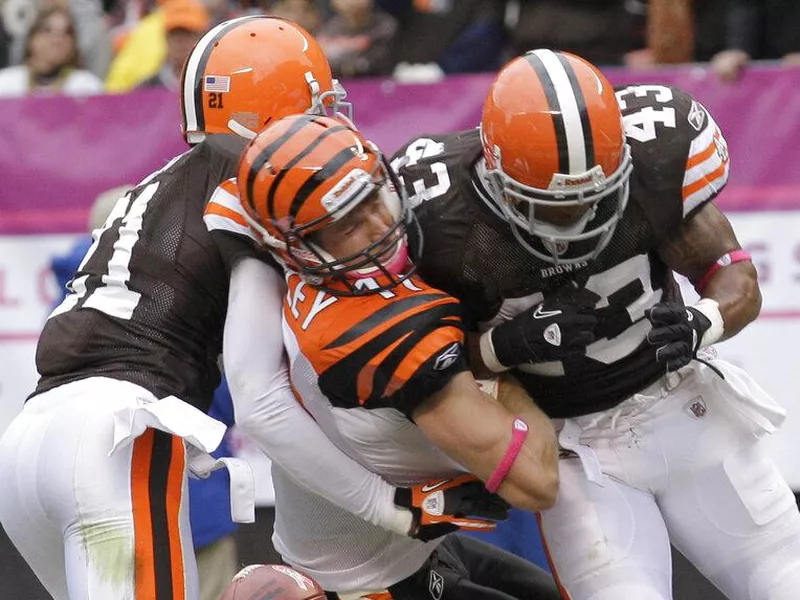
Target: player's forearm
pixel 735 288
pixel 542 444
pixel 284 431
pixel 705 249
pixel 476 430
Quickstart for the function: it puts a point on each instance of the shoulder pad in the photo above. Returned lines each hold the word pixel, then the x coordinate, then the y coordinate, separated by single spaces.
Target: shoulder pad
pixel 224 211
pixel 680 156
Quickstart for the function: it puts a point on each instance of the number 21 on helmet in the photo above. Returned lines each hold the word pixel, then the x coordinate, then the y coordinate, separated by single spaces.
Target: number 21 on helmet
pixel 246 72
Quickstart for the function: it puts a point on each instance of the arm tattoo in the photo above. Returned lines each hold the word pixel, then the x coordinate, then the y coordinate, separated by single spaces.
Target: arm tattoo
pixel 698 243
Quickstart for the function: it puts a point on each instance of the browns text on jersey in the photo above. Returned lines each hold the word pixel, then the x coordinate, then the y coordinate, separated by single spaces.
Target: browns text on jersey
pixel 680 163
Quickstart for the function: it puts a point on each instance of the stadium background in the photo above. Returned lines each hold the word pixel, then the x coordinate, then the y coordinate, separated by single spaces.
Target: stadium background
pixel 57 154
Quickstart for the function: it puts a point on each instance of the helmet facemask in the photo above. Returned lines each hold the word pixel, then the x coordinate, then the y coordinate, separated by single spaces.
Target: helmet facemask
pixel 605 198
pixel 330 103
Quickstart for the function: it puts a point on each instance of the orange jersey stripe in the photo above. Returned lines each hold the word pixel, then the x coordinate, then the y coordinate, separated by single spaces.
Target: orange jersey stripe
pixel 690 189
pixel 230 186
pixel 174 497
pixel 427 347
pixel 701 156
pixel 379 596
pixel 145 575
pixel 367 374
pixel 214 208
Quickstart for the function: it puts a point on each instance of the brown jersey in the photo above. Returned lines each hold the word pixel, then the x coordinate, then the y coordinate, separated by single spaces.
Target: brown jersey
pixel 148 302
pixel 680 162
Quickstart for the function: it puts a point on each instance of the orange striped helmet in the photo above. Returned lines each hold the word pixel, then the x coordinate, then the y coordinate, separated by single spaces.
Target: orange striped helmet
pixel 307 172
pixel 248 71
pixel 554 146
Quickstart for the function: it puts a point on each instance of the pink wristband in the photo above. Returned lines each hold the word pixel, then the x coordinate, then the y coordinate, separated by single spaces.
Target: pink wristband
pixel 519 431
pixel 723 261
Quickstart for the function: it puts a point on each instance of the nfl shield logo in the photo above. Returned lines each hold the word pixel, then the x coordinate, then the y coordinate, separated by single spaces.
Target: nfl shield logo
pixel 697 407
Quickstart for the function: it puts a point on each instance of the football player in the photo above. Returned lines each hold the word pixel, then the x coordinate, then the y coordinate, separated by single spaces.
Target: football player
pixel 559 224
pixel 128 361
pixel 377 358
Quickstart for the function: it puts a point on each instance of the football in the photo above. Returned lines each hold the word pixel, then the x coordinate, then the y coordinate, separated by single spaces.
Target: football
pixel 272 582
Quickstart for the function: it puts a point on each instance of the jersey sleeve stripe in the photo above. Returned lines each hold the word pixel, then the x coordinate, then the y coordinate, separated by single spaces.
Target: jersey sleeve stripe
pixel 701 157
pixel 229 185
pixel 707 180
pixel 703 172
pixel 225 212
pixel 227 195
pixel 220 223
pixel 705 189
pixel 707 167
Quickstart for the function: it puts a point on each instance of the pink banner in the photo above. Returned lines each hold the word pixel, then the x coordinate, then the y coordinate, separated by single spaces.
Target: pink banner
pixel 57 154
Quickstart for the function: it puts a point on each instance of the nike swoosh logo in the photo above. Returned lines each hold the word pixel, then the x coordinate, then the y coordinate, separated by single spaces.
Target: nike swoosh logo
pixel 429 488
pixel 540 313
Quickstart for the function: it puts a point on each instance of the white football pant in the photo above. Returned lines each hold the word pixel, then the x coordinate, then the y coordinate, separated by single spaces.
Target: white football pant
pixel 96 525
pixel 681 462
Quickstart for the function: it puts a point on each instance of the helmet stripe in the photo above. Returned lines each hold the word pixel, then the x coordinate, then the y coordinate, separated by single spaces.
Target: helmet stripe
pixel 300 155
pixel 562 101
pixel 264 156
pixel 582 109
pixel 192 84
pixel 552 103
pixel 320 177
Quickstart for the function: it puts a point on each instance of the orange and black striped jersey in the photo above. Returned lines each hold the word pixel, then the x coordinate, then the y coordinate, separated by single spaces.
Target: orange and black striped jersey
pixel 680 162
pixel 389 349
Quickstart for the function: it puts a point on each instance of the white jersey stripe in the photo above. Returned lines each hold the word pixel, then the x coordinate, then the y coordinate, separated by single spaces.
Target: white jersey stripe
pixel 224 198
pixel 713 187
pixel 218 222
pixel 570 113
pixel 705 168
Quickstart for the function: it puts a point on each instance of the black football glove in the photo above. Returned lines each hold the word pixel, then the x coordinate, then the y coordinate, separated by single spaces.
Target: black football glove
pixel 442 506
pixel 677 333
pixel 561 326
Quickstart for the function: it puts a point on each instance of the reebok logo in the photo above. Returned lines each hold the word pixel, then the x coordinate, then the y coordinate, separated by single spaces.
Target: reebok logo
pixel 541 313
pixel 447 358
pixel 430 487
pixel 435 585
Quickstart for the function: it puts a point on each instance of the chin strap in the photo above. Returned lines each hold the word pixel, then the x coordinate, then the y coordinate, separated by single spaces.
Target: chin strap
pixel 241 130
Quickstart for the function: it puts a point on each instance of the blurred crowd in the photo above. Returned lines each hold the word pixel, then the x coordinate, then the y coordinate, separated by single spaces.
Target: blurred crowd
pixel 93 46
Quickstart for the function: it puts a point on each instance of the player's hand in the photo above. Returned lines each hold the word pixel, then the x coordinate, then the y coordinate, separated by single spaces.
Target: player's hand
pixel 561 326
pixel 442 506
pixel 677 333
